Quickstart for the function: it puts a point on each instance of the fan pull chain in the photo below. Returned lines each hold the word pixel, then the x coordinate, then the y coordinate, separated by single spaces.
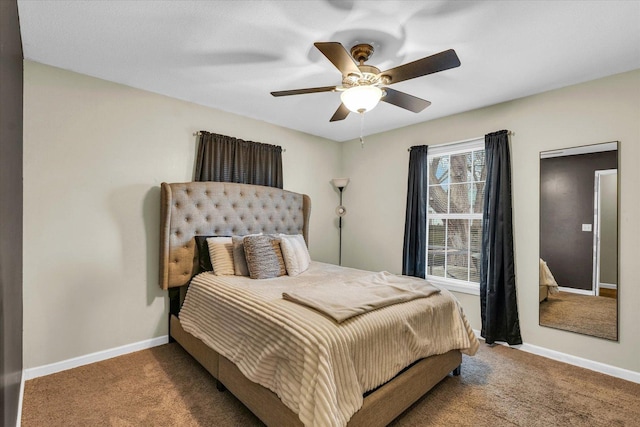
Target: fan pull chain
pixel 361 129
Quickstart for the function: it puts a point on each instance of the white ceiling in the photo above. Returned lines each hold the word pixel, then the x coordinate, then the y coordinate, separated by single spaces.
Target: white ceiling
pixel 231 54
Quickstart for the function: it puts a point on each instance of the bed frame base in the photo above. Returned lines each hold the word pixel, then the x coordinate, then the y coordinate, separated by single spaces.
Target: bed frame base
pixel 380 407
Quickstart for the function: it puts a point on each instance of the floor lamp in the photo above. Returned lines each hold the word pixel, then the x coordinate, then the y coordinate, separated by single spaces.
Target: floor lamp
pixel 340 184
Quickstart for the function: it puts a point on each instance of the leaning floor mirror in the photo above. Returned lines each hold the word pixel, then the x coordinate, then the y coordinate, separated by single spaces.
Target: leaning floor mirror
pixel 579 240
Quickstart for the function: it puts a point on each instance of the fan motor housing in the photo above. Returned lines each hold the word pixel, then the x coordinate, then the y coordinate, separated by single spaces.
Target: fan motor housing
pixel 362 52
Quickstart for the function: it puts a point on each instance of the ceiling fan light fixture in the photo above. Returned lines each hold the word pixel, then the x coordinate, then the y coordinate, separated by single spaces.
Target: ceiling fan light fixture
pixel 362 83
pixel 361 99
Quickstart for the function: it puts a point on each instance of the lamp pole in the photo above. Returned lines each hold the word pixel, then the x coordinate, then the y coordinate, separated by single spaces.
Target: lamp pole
pixel 340 184
pixel 340 230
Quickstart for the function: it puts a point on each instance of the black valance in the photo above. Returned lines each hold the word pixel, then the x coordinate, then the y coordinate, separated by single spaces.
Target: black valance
pixel 227 159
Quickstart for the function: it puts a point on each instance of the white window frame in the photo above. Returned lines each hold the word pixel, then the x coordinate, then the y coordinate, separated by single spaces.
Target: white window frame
pixel 451 149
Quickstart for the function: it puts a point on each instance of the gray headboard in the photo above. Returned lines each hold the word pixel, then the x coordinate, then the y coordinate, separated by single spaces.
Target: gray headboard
pixel 222 209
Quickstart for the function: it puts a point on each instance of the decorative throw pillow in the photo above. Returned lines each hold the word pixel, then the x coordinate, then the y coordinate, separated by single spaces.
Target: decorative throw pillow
pixel 221 253
pixel 239 260
pixel 264 257
pixel 204 260
pixel 295 254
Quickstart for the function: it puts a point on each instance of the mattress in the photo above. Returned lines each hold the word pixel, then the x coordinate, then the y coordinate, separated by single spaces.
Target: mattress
pixel 318 368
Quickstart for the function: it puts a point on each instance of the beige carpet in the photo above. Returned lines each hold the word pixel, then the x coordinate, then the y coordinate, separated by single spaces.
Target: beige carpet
pixel 164 386
pixel 585 314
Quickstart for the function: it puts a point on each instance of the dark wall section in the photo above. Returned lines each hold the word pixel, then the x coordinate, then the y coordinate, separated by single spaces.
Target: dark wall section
pixel 566 202
pixel 10 210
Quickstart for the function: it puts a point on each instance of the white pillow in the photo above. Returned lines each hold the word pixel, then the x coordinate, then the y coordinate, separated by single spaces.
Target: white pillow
pixel 295 254
pixel 221 254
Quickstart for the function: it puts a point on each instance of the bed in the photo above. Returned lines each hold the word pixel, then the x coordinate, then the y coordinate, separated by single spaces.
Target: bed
pixel 227 209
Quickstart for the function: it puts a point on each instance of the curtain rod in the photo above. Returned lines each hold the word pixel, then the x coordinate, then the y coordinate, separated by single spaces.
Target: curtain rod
pixel 510 133
pixel 284 150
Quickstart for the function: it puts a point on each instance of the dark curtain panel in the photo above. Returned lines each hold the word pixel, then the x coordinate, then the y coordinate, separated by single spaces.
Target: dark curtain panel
pixel 498 302
pixel 227 159
pixel 414 254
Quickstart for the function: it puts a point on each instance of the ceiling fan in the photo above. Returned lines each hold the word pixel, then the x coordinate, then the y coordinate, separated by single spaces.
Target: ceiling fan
pixel 364 85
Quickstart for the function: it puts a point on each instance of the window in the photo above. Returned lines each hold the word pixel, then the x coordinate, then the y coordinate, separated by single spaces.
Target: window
pixel 456 174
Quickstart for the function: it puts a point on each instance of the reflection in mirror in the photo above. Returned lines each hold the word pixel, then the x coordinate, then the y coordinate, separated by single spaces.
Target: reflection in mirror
pixel 579 240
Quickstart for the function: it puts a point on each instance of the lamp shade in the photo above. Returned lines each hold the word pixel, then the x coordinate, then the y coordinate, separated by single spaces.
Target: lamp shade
pixel 340 182
pixel 360 99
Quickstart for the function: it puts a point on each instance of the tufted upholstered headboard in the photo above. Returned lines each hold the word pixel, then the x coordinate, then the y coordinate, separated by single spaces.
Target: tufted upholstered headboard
pixel 222 209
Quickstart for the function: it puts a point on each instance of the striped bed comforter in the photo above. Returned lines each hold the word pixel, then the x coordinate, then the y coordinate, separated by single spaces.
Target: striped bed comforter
pixel 318 368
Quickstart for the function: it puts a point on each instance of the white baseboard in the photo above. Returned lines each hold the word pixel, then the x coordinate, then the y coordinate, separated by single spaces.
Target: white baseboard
pixel 603 368
pixel 52 368
pixel 576 291
pixel 608 285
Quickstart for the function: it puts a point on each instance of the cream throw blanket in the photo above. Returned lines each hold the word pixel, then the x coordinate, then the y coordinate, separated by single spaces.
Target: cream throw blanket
pixel 343 300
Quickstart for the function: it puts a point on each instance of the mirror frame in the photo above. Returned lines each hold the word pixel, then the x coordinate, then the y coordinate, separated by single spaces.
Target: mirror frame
pixel 565 152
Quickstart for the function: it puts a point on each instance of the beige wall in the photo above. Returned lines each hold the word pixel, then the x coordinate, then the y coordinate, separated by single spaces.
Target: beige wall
pixel 95 153
pixel 602 110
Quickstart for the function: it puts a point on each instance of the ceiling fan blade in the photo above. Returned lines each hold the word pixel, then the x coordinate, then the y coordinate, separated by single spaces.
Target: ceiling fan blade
pixel 404 100
pixel 341 113
pixel 429 65
pixel 338 55
pixel 303 91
